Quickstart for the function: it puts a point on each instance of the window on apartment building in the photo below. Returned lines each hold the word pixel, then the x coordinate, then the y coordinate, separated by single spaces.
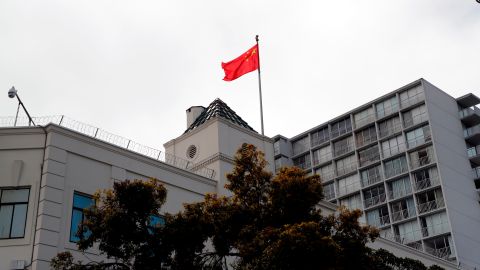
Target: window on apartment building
pixel 418 136
pixel 407 232
pixel 346 165
pixel 366 136
pixel 374 196
pixel 371 176
pixel 378 217
pixel 369 156
pixel 300 146
pixel 302 161
pixel 352 202
pixel 81 202
pixel 320 136
pixel 341 127
pixel 425 178
pixel 393 146
pixel 13 212
pixel 435 224
pixel 326 172
pixel 415 116
pixel 389 127
pixel 348 184
pixel 343 146
pixel 430 196
pixel 387 107
pixel 411 96
pixel 399 188
pixel 395 167
pixel 364 117
pixel 403 209
pixel 422 157
pixel 329 191
pixel 322 155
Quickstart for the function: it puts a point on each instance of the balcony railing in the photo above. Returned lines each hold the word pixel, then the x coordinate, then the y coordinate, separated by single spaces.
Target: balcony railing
pixel 113 139
pixel 380 222
pixel 343 190
pixel 435 229
pixel 403 214
pixel 395 171
pixel 375 200
pixel 430 206
pixel 343 149
pixel 325 176
pixel 426 183
pixel 395 194
pixel 476 172
pixel 366 140
pixel 471 131
pixel 360 122
pixel 419 141
pixel 417 119
pixel 469 111
pixel 369 159
pixel 443 253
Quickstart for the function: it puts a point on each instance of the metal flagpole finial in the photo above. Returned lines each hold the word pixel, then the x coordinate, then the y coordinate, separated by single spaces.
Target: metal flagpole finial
pixel 256 37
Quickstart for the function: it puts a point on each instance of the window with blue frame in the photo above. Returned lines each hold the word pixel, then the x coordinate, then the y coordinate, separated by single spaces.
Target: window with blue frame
pixel 80 203
pixel 13 212
pixel 155 221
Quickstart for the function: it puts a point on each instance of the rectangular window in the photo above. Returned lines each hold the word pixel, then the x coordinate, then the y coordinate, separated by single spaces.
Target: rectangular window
pixel 411 96
pixel 326 172
pixel 403 209
pixel 378 217
pixel 389 127
pixel 366 136
pixel 352 202
pixel 364 117
pixel 422 157
pixel 81 202
pixel 393 146
pixel 387 107
pixel 435 224
pixel 395 167
pixel 426 178
pixel 415 116
pixel 13 212
pixel 374 196
pixel 346 165
pixel 343 146
pixel 302 162
pixel 348 185
pixel 369 156
pixel 329 191
pixel 320 136
pixel 341 127
pixel 322 155
pixel 300 146
pixel 418 136
pixel 407 232
pixel 371 176
pixel 399 188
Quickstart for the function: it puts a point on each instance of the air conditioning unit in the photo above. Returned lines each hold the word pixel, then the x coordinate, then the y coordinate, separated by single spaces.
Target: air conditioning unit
pixel 17 264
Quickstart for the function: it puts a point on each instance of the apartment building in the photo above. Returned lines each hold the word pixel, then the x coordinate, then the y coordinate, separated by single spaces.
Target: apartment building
pixel 408 160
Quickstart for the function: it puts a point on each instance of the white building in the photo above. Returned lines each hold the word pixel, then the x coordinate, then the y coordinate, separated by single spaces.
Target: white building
pixel 48 173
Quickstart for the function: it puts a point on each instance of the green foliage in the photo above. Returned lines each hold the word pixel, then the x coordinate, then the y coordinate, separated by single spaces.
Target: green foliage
pixel 269 222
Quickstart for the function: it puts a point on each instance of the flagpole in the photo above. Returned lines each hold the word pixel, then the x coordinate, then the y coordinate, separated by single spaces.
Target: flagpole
pixel 259 84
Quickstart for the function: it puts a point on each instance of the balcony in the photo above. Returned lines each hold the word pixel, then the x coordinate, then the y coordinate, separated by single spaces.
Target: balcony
pixel 430 206
pixel 470 116
pixel 403 214
pixel 376 200
pixel 380 222
pixel 419 141
pixel 473 154
pixel 347 168
pixel 395 128
pixel 391 151
pixel 476 173
pixel 435 229
pixel 422 158
pixel 329 195
pixel 427 183
pixel 399 193
pixel 343 149
pixel 326 176
pixel 372 179
pixel 472 135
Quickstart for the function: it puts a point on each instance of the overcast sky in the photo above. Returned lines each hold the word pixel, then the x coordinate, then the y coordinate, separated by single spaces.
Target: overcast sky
pixel 134 67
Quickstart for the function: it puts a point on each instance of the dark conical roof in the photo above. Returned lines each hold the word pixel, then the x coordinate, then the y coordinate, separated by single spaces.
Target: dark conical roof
pixel 218 108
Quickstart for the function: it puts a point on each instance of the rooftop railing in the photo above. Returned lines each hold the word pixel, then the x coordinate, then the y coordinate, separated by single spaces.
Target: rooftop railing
pixel 111 138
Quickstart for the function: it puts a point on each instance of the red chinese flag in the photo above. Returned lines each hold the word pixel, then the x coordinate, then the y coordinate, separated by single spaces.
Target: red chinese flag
pixel 241 65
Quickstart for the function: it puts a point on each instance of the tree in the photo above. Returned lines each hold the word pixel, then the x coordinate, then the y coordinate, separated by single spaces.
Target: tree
pixel 269 222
